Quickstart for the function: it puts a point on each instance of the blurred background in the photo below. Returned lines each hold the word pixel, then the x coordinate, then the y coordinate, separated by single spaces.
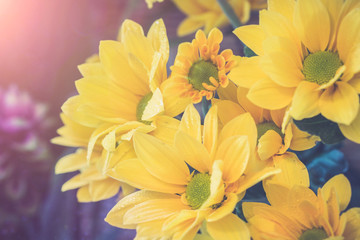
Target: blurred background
pixel 41 44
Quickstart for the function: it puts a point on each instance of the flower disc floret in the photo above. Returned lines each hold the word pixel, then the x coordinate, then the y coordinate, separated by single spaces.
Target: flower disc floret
pixel 203 75
pixel 198 190
pixel 314 234
pixel 320 67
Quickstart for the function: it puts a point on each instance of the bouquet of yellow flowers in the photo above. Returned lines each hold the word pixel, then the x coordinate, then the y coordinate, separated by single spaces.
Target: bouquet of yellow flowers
pixel 185 146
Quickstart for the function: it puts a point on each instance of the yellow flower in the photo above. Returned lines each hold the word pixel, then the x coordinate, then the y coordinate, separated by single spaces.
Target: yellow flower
pixel 174 202
pixel 118 95
pixel 208 14
pixel 271 140
pixel 199 69
pixel 151 2
pixel 297 213
pixel 91 183
pixel 308 60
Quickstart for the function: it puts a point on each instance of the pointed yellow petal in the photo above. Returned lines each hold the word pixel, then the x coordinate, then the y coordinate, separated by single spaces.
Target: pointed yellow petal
pixel 83 194
pixel 228 110
pixel 247 72
pixel 313 24
pixel 340 103
pixel 235 153
pixel 249 207
pixel 305 101
pixel 243 125
pixel 189 25
pixel 173 103
pixel 193 152
pixel 116 215
pixel 342 188
pixel 154 107
pixel 160 159
pixel 166 128
pixel 282 69
pixel 103 189
pixel 133 172
pixel 71 162
pixel 211 130
pixel 293 171
pixel 284 7
pixel 255 111
pixel 252 179
pixel 226 208
pixel 230 227
pixel 269 144
pixel 191 122
pixel 252 36
pixel 158 37
pixel 153 209
pixel 348 34
pixel 269 95
pixel 302 140
pixel 74 182
pixel 352 131
pixel 352 229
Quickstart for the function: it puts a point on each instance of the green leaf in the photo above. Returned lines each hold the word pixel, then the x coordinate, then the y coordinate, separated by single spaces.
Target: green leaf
pixel 327 130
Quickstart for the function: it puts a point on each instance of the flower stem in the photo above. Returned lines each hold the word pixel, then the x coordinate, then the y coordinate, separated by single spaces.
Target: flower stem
pixel 229 12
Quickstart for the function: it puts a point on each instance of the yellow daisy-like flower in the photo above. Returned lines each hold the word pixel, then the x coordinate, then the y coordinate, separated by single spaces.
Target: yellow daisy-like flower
pixel 297 213
pixel 199 69
pixel 208 14
pixel 308 60
pixel 118 95
pixel 271 140
pixel 174 202
pixel 92 185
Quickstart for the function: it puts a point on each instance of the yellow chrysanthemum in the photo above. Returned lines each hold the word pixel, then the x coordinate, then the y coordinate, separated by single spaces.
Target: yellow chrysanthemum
pixel 271 140
pixel 174 202
pixel 298 214
pixel 208 14
pixel 308 60
pixel 199 69
pixel 118 95
pixel 91 183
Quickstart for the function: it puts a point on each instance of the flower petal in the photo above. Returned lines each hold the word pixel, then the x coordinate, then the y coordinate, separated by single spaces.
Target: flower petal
pixel 302 140
pixel 192 152
pixel 160 159
pixel 313 24
pixel 269 95
pixel 226 208
pixel 247 72
pixel 211 132
pixel 71 162
pixel 269 144
pixel 252 36
pixel 154 106
pixel 228 110
pixel 305 101
pixel 230 227
pixel 103 189
pixel 293 171
pixel 340 103
pixel 352 228
pixel 116 215
pixel 352 131
pixel 342 187
pixel 191 122
pixel 235 153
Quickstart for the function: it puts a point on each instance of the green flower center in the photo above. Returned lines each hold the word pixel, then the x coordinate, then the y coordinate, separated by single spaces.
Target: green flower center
pixel 320 67
pixel 262 128
pixel 198 190
pixel 141 107
pixel 314 234
pixel 200 72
